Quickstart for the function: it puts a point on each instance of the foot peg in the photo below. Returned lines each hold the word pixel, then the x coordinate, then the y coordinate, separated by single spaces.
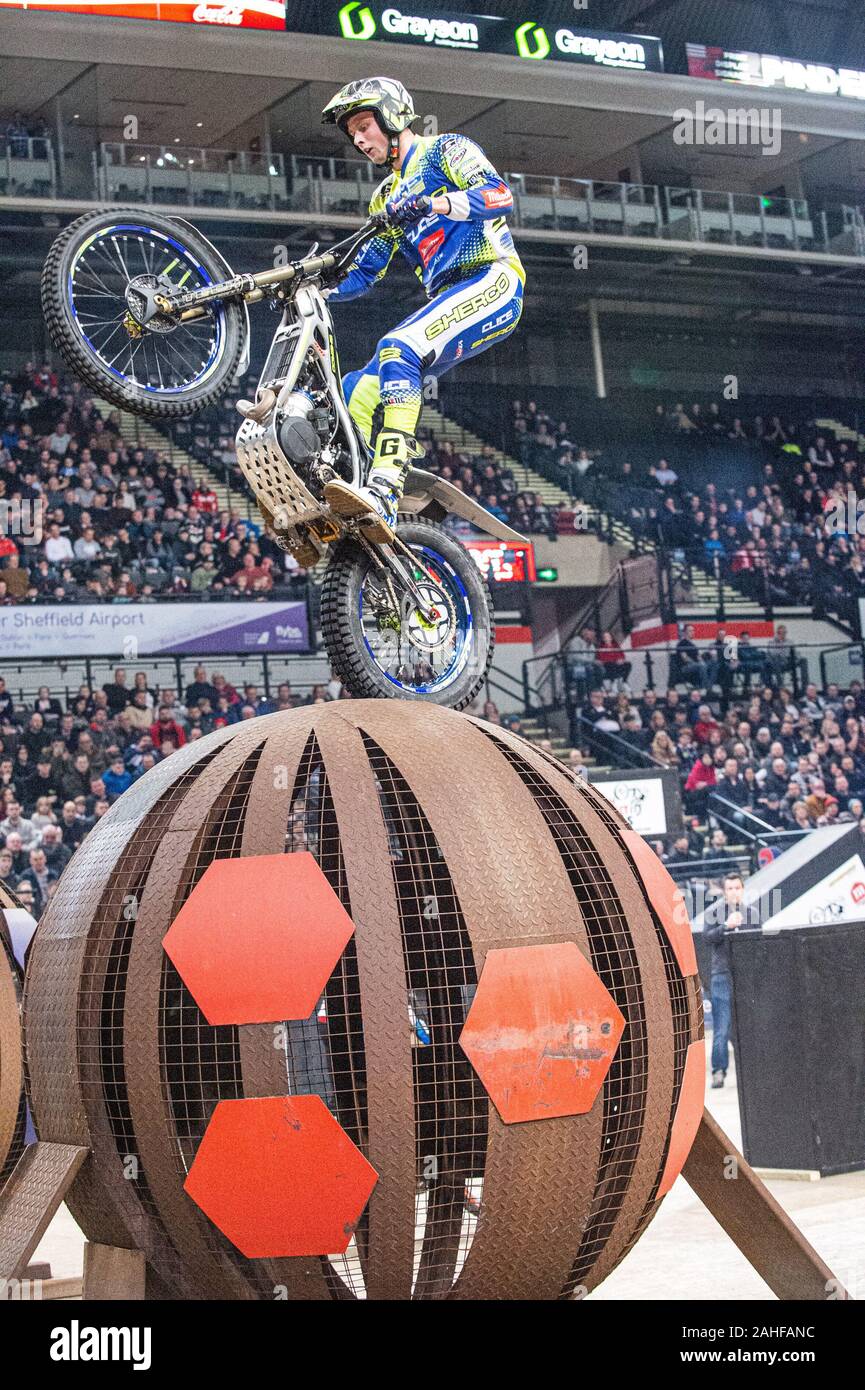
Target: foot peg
pixel 348 502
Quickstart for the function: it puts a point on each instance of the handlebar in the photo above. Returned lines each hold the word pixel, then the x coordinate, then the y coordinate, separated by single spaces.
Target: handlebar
pixel 254 287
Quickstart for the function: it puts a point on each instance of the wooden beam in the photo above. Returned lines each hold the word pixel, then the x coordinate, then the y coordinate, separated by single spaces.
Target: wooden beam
pixel 745 1208
pixel 39 1182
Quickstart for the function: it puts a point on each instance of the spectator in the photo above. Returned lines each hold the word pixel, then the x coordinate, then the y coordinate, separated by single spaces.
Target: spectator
pixel 117 693
pixel 17 824
pixel 612 659
pixel 166 727
pixel 728 916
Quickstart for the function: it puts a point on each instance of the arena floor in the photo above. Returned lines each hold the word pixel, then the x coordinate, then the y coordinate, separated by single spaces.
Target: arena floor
pixel 684 1254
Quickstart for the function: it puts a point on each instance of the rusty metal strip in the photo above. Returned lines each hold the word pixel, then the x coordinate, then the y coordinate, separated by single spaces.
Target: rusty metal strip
pixel 391 1139
pixel 40 1181
pixel 754 1221
pixel 264 1065
pixel 513 889
pixel 54 980
pixel 11 1056
pixel 210 1272
pixel 589 810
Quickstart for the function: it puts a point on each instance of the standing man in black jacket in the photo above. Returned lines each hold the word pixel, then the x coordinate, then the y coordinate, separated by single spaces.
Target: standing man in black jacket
pixel 723 918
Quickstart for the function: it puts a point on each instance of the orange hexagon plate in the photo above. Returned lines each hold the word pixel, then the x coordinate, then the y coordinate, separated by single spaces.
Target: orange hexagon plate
pixel 280 1177
pixel 541 1032
pixel 258 937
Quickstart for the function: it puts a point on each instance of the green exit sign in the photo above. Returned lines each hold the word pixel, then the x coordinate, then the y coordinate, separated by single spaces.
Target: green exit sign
pixel 547 576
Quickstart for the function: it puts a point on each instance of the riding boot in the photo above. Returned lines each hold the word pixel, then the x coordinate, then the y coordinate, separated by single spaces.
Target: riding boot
pixel 375 503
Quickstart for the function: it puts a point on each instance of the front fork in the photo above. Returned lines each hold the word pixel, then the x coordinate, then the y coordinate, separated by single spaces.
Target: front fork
pixel 389 566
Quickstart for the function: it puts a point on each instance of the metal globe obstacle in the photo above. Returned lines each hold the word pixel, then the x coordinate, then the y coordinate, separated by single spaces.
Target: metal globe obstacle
pixel 369 999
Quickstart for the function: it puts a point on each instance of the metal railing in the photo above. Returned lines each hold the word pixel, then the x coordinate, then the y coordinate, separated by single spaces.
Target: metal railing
pixel 27 167
pixel 328 185
pixel 685 214
pixel 190 175
pixel 65 675
pixel 617 751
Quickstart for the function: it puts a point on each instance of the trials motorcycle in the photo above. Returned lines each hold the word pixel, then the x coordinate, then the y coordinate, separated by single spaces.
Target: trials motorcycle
pixel 148 313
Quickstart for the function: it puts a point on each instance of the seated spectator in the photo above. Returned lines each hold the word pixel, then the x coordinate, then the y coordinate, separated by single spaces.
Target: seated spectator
pixel 700 781
pixel 612 659
pixel 116 780
pixel 39 876
pixel 167 727
pixel 16 824
pixel 664 749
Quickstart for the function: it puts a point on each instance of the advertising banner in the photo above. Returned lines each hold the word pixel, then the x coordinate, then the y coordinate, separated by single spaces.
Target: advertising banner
pixel 510 564
pixel 768 70
pixel 648 798
pixel 640 802
pixel 545 31
pixel 149 629
pixel 246 14
pixel 839 897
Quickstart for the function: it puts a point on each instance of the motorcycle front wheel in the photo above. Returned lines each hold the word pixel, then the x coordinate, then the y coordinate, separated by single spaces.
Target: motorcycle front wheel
pixel 441 656
pixel 91 285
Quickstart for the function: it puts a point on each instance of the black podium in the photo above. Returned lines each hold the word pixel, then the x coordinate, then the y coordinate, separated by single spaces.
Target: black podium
pixel 799 1034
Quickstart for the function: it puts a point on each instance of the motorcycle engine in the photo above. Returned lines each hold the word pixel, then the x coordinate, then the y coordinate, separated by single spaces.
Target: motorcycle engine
pixel 299 438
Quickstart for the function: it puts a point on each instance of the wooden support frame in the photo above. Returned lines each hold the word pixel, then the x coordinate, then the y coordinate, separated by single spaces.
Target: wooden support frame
pixel 744 1207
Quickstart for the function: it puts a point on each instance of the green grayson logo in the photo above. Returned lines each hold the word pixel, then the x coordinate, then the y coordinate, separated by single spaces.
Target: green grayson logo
pixel 528 33
pixel 365 19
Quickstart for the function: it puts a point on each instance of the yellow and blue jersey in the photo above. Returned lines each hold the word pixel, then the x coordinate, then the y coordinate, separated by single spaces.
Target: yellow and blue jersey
pixel 442 250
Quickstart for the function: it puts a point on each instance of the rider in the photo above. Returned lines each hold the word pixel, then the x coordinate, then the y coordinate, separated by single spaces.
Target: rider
pixel 446 208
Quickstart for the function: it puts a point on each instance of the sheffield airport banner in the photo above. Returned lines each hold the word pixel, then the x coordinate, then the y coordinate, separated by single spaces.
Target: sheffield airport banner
pixel 131 630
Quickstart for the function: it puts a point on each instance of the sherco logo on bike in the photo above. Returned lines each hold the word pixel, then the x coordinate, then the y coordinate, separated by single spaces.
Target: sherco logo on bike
pixel 218 14
pixel 470 306
pixel 527 33
pixel 346 22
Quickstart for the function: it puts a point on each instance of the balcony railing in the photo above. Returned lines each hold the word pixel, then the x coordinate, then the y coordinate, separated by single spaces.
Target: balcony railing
pixel 27 167
pixel 685 214
pixel 189 175
pixel 323 187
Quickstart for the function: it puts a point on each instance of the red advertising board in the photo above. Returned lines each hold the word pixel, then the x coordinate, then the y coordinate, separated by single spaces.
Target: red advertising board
pixel 511 563
pixel 253 14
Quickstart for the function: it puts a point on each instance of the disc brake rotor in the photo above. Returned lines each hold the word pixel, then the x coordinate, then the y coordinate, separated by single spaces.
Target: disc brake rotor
pixel 431 631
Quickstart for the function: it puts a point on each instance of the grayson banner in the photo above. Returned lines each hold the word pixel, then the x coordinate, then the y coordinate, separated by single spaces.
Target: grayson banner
pixel 150 629
pixel 545 31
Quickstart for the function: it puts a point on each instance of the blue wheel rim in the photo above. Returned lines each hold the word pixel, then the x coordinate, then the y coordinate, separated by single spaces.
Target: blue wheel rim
pixel 464 628
pixel 175 254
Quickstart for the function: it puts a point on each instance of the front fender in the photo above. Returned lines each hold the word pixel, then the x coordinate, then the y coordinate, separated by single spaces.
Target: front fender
pixel 424 493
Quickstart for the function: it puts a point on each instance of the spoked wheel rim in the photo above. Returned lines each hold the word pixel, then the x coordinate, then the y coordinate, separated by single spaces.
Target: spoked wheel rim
pixel 418 655
pixel 108 279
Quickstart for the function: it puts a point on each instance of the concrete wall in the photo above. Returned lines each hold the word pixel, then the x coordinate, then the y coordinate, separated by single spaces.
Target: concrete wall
pixel 581 560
